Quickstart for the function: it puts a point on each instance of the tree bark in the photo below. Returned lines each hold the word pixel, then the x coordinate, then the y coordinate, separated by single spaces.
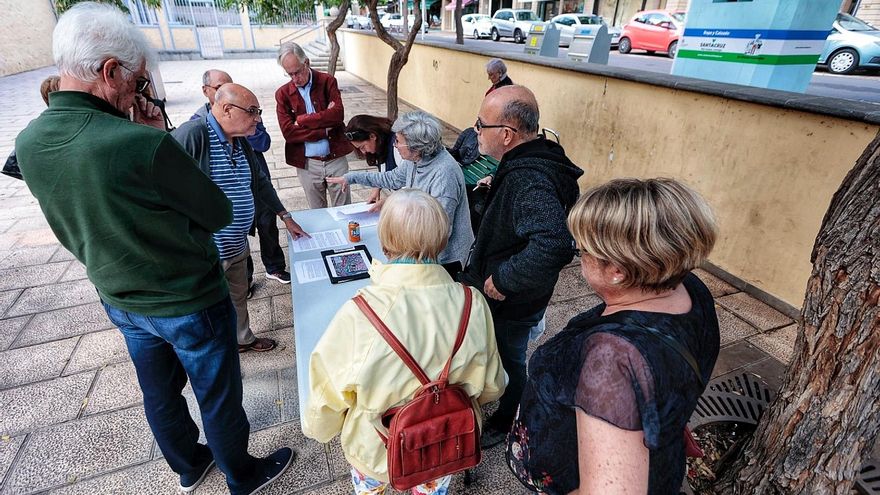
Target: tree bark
pixel 825 419
pixel 331 34
pixel 400 56
pixel 459 29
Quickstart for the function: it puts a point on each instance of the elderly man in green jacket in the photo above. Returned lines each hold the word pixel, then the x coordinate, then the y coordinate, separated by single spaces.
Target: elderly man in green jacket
pixel 134 207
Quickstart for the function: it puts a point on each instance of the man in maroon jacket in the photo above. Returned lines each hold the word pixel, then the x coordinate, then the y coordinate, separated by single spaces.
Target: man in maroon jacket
pixel 310 114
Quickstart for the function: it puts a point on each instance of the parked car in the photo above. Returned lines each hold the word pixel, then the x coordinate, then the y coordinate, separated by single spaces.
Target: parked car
pixel 391 21
pixel 362 22
pixel 652 31
pixel 513 23
pixel 567 23
pixel 477 25
pixel 853 43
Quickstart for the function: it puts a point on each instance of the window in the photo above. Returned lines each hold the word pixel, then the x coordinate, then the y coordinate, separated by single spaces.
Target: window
pixel 590 19
pixel 526 16
pixel 565 21
pixel 851 23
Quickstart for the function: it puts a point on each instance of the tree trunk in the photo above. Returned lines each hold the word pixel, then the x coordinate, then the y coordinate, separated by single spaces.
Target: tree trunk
pixel 459 29
pixel 400 56
pixel 824 422
pixel 331 34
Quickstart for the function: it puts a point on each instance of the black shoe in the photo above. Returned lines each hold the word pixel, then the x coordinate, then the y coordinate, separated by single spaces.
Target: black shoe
pixel 251 288
pixel 282 276
pixel 269 469
pixel 192 481
pixel 492 436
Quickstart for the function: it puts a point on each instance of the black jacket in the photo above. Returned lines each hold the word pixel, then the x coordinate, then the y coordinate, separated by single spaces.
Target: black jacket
pixel 523 240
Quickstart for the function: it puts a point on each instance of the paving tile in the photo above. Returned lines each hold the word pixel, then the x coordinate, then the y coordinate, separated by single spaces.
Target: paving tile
pixel 39 237
pixel 736 356
pixel 279 358
pixel 559 313
pixel 289 394
pixel 7 298
pixel 754 311
pixel 115 388
pixel 778 343
pixel 716 286
pixel 44 403
pixel 34 363
pixel 571 285
pixel 264 287
pixel 9 329
pixel 732 329
pixel 260 314
pixel 64 453
pixel 65 322
pixel 261 400
pixel 62 255
pixel 8 448
pixel 26 257
pixel 771 371
pixel 282 311
pixel 76 271
pixel 152 478
pixel 30 276
pixel 47 298
pixel 96 350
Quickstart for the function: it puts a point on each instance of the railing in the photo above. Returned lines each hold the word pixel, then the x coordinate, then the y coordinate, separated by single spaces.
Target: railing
pixel 299 33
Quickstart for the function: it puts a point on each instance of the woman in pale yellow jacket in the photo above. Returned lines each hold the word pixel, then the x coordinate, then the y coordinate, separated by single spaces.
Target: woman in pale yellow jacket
pixel 355 376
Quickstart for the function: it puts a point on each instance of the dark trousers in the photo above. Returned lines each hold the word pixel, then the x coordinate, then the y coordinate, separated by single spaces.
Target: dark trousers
pixel 270 250
pixel 513 341
pixel 203 347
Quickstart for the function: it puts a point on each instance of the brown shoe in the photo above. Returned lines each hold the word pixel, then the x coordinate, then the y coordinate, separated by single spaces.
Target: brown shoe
pixel 258 345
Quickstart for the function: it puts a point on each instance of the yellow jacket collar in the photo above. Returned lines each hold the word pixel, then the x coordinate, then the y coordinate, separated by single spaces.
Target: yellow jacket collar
pixel 408 274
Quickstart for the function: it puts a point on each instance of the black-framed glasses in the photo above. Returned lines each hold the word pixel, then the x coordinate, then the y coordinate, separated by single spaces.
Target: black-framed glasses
pixel 357 135
pixel 479 126
pixel 215 88
pixel 253 111
pixel 141 83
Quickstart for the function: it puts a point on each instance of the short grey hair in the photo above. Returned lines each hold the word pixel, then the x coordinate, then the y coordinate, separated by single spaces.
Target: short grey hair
pixel 291 48
pixel 89 34
pixel 496 66
pixel 422 131
pixel 522 115
pixel 206 77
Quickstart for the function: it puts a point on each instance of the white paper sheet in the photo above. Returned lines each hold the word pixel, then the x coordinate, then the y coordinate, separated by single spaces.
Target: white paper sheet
pixel 356 212
pixel 310 270
pixel 320 240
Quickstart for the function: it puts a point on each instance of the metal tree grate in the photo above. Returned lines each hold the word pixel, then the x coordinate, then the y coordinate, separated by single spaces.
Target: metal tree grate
pixel 868 480
pixel 741 399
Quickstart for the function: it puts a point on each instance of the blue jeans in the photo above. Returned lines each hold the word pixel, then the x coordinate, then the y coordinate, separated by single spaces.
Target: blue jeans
pixel 203 347
pixel 513 341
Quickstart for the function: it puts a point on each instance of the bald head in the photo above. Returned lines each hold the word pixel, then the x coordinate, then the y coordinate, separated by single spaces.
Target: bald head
pixel 236 109
pixel 211 80
pixel 513 113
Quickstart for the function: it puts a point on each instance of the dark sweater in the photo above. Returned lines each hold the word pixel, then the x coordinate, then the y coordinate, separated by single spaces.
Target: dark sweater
pixel 129 203
pixel 523 240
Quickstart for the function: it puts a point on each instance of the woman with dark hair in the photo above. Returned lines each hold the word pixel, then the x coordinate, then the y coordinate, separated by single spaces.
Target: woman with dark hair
pixel 373 141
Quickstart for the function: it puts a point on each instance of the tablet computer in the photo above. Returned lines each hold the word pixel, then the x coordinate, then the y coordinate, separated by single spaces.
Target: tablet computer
pixel 347 264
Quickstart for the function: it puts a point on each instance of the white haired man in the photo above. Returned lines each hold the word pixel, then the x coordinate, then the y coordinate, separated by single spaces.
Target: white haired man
pixel 310 114
pixel 133 207
pixel 497 72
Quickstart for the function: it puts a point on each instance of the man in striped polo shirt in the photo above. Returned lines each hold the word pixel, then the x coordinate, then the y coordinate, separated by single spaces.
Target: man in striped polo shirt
pixel 218 142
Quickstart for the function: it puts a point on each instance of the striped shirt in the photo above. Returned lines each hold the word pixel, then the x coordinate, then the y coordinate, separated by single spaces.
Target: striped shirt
pixel 232 174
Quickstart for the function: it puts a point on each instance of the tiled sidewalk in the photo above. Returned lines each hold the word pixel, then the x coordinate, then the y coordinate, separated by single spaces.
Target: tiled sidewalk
pixel 70 409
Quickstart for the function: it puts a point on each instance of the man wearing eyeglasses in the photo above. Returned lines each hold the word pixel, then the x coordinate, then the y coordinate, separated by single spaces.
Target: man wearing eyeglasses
pixel 310 114
pixel 264 219
pixel 523 241
pixel 122 195
pixel 218 142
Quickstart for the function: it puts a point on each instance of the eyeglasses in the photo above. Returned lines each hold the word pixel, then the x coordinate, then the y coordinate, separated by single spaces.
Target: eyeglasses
pixel 357 135
pixel 215 88
pixel 300 71
pixel 479 126
pixel 253 111
pixel 141 83
pixel 398 144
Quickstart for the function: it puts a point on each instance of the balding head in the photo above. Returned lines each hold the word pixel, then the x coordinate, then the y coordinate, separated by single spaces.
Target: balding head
pixel 514 110
pixel 212 79
pixel 237 110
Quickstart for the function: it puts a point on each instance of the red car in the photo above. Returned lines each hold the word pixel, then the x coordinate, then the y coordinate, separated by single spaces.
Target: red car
pixel 653 31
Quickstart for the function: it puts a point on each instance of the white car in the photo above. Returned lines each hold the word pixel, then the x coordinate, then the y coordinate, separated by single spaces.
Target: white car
pixel 567 23
pixel 477 25
pixel 513 23
pixel 391 22
pixel 362 22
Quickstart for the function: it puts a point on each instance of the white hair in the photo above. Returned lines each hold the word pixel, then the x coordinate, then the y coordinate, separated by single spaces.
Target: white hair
pixel 89 34
pixel 291 48
pixel 496 66
pixel 422 131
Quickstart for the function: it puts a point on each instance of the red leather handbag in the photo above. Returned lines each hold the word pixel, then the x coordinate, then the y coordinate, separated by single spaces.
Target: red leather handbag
pixel 436 433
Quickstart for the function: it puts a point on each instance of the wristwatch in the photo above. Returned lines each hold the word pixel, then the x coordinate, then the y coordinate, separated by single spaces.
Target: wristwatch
pixel 286 216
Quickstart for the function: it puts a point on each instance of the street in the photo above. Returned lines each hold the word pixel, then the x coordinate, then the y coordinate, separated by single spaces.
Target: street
pixel 860 87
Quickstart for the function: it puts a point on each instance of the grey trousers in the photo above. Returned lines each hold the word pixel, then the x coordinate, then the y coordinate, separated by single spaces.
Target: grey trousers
pixel 237 279
pixel 317 189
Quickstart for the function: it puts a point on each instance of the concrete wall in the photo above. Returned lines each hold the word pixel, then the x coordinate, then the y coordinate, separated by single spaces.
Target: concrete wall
pixel 232 38
pixel 25 35
pixel 768 172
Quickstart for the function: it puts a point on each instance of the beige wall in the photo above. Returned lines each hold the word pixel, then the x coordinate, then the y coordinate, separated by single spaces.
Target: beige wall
pixel 184 39
pixel 769 173
pixel 154 36
pixel 25 35
pixel 232 39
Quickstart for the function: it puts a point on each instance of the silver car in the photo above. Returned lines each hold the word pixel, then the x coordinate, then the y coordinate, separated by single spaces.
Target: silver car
pixel 852 44
pixel 568 23
pixel 513 23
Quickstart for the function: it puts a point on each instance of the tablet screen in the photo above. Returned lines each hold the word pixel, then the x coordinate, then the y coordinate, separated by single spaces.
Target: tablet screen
pixel 348 264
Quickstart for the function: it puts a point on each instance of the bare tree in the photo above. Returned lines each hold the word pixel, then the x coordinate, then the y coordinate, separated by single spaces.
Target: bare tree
pixel 400 56
pixel 825 419
pixel 335 24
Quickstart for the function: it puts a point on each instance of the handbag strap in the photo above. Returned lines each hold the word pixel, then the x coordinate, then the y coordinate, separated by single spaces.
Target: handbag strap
pixel 666 339
pixel 399 348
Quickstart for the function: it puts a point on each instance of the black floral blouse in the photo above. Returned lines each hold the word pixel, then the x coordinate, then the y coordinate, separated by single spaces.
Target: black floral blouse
pixel 614 370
